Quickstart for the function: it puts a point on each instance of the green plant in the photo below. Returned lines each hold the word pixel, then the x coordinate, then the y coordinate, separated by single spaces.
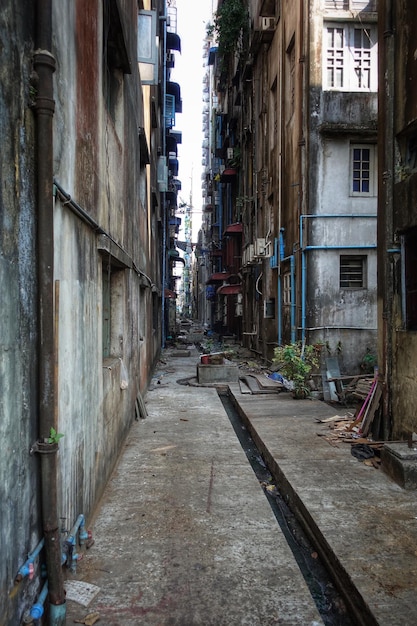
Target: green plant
pixel 296 361
pixel 231 27
pixel 368 363
pixel 54 436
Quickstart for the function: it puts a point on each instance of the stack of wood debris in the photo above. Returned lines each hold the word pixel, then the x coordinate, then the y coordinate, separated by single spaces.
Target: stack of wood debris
pixel 342 429
pixel 355 428
pixel 259 383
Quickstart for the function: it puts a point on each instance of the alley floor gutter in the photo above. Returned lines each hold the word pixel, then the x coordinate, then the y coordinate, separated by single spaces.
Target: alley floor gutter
pixel 184 534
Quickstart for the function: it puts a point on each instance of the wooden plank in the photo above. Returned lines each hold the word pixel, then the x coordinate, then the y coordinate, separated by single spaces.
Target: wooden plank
pixel 372 408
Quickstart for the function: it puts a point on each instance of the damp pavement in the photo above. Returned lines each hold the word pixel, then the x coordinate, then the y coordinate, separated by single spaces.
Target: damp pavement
pixel 185 536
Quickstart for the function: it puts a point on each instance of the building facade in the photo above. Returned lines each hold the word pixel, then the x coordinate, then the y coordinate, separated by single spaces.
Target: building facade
pixel 88 170
pixel 397 217
pixel 293 176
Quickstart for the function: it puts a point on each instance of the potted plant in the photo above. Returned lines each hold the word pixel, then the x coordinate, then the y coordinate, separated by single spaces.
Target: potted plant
pixel 296 361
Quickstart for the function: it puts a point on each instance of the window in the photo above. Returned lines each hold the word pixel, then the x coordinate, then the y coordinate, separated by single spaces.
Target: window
pixel 286 295
pixel 113 304
pixel 352 272
pixel 116 60
pixel 362 175
pixel 350 62
pixel 147 50
pixel 291 69
pixel 409 260
pixel 114 263
pixel 351 5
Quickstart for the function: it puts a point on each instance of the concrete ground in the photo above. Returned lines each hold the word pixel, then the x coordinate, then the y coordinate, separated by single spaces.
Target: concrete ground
pixel 185 536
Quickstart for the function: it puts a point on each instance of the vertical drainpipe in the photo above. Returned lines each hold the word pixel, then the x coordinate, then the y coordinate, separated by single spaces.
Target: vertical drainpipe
pixel 303 283
pixel 279 244
pixel 293 299
pixel 385 222
pixel 44 66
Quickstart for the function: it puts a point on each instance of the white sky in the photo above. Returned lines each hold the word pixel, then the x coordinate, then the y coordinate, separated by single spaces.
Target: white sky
pixel 190 67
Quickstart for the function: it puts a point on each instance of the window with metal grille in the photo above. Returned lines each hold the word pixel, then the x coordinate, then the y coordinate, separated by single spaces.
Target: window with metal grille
pixel 352 271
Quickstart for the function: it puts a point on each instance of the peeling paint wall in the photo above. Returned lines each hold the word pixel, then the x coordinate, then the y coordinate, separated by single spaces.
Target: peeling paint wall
pixel 339 120
pixel 105 265
pixel 398 214
pixel 100 168
pixel 19 487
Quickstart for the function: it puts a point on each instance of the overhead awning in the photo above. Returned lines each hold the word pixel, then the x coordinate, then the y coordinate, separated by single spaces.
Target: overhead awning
pixel 231 229
pixel 229 290
pixel 144 149
pixel 173 41
pixel 218 277
pixel 171 198
pixel 212 55
pixel 173 89
pixel 171 145
pixel 228 174
pixel 173 166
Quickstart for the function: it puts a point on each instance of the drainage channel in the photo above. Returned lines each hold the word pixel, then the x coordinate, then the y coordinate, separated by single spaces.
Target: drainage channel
pixel 328 601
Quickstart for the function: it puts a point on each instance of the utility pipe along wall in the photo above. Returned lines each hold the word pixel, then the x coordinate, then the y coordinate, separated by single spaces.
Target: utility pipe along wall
pixel 44 66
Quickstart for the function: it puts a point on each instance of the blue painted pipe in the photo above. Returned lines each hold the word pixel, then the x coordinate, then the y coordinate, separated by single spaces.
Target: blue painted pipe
pixel 304 261
pixel 27 567
pixel 37 609
pixel 293 303
pixel 281 244
pixel 57 614
pixel 80 523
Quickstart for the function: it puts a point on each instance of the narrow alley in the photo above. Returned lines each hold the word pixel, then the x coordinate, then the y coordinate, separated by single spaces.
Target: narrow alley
pixel 184 534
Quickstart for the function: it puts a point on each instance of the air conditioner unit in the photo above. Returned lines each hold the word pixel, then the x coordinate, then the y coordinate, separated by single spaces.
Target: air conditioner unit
pixel 267 23
pixel 230 153
pixel 248 255
pixel 263 249
pixel 239 310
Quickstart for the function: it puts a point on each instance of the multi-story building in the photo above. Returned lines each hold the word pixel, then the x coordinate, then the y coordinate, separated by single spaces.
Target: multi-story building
pixel 294 166
pixel 397 219
pixel 88 170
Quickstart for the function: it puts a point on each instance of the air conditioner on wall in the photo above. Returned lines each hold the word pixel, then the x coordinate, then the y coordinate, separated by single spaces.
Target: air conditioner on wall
pixel 248 255
pixel 263 249
pixel 266 23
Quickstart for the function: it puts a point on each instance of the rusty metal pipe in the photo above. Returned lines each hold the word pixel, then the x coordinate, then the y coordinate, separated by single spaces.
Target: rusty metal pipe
pixel 44 66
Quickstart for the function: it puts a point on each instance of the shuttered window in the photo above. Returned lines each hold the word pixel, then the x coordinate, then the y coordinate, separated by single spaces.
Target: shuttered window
pixel 352 272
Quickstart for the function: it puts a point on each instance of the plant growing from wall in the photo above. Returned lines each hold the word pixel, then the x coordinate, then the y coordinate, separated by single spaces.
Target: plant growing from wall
pixel 231 27
pixel 296 362
pixel 54 436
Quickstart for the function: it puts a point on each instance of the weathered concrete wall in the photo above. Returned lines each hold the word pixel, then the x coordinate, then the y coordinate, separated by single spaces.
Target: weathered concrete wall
pixel 401 209
pixel 19 489
pixel 97 160
pixel 338 119
pixel 102 222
